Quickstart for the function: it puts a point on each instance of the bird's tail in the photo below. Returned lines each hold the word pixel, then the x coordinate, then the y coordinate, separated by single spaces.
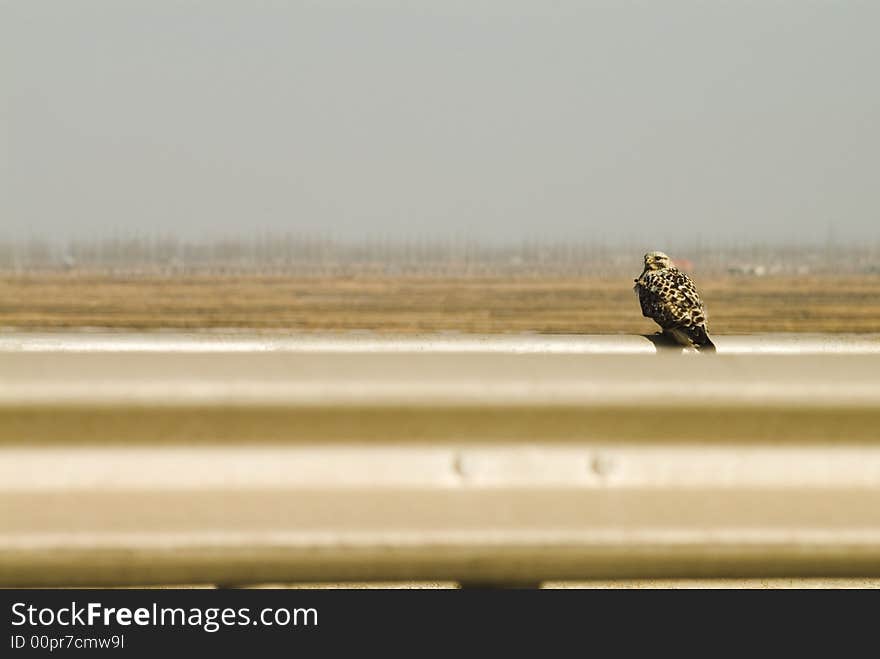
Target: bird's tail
pixel 701 340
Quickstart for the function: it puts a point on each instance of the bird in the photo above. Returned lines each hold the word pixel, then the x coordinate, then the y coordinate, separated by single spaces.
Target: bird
pixel 668 296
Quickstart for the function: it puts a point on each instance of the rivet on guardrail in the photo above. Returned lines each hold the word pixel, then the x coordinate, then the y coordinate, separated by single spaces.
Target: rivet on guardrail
pixel 458 467
pixel 601 465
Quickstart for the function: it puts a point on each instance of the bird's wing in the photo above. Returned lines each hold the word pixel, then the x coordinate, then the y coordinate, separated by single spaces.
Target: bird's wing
pixel 687 303
pixel 673 300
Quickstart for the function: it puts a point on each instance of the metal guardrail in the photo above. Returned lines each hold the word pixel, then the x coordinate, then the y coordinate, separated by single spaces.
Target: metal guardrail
pixel 207 459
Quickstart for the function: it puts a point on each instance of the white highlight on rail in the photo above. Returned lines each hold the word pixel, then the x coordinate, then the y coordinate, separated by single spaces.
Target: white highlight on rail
pixel 218 341
pixel 596 466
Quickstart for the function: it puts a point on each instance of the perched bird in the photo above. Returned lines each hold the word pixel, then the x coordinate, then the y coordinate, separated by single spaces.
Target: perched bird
pixel 669 297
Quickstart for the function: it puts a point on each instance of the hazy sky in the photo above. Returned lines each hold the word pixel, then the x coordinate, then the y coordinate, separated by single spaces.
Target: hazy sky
pixel 503 120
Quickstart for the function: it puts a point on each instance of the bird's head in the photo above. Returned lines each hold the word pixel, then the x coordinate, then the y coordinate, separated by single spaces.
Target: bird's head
pixel 656 261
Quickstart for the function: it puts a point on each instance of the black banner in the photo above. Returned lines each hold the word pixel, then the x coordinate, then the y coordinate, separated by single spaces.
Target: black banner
pixel 402 622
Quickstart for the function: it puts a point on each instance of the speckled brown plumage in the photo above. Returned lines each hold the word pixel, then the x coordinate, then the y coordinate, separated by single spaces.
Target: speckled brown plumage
pixel 668 296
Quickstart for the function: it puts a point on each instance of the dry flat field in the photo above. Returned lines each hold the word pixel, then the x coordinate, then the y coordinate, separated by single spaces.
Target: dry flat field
pixel 420 304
